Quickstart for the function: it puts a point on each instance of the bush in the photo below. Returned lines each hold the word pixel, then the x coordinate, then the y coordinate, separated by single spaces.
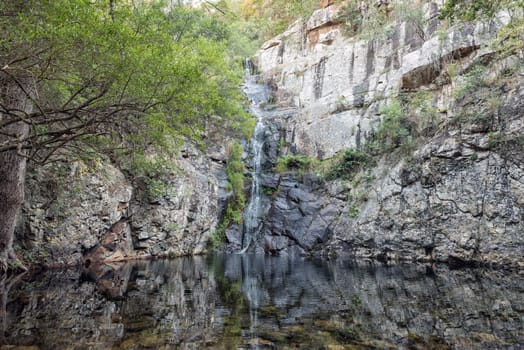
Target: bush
pixel 470 10
pixel 395 129
pixel 472 80
pixel 294 162
pixel 235 175
pixel 233 214
pixel 151 171
pixel 371 22
pixel 352 161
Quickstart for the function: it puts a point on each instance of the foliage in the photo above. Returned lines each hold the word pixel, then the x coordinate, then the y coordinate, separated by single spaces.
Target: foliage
pixel 245 127
pixel 236 182
pixel 351 15
pixel 370 21
pixel 356 200
pixel 480 93
pixel 235 174
pixel 294 162
pixel 218 235
pixel 411 12
pixel 354 210
pixel 149 172
pixel 405 119
pixel 470 82
pixel 470 10
pixel 350 163
pixel 274 16
pixel 395 129
pixel 509 40
pixel 421 112
pixel 123 76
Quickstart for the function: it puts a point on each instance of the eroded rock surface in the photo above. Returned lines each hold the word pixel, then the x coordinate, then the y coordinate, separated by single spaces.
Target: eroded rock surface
pixel 75 214
pixel 455 197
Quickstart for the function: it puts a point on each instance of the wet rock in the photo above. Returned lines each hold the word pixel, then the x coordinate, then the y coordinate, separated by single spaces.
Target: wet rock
pixel 234 236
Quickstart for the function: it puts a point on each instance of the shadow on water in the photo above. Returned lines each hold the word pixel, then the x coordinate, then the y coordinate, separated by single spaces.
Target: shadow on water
pixel 259 302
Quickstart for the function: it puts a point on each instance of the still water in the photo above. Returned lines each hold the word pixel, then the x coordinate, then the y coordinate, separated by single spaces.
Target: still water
pixel 257 302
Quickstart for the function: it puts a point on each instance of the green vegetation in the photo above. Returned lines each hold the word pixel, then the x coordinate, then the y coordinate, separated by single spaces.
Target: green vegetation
pixel 479 93
pixel 371 22
pixel 294 162
pixel 395 130
pixel 272 17
pixel 356 199
pixel 469 10
pixel 86 80
pixel 470 82
pixel 351 162
pixel 510 38
pixel 149 173
pixel 421 109
pixel 235 175
pixel 123 76
pixel 405 119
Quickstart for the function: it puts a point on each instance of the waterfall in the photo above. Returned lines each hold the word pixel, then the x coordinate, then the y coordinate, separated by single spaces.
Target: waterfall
pixel 256 93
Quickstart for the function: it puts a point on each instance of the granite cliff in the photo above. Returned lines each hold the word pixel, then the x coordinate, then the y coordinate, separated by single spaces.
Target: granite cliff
pixel 449 187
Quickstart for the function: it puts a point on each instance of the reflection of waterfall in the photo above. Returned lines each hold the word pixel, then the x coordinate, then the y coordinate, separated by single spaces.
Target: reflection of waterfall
pixel 250 288
pixel 256 93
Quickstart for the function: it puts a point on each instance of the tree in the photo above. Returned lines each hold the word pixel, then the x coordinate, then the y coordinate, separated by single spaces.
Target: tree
pixel 79 77
pixel 473 9
pixel 274 16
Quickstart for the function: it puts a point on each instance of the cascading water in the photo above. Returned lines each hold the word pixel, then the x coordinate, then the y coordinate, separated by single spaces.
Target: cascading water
pixel 257 94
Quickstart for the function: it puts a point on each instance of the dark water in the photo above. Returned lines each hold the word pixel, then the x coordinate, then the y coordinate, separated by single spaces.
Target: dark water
pixel 246 302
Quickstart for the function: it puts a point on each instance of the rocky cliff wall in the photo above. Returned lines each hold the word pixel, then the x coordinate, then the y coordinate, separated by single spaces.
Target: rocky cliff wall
pixel 339 82
pixel 455 196
pixel 75 214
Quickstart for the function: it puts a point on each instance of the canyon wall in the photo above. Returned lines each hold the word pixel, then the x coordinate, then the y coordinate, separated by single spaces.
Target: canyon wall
pixel 78 214
pixel 456 195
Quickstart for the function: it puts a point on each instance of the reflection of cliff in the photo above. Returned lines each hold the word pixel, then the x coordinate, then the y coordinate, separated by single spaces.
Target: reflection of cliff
pixel 403 305
pixel 134 305
pixel 239 301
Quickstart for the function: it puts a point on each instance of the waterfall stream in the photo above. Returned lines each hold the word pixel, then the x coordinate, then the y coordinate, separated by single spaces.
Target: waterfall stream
pixel 257 94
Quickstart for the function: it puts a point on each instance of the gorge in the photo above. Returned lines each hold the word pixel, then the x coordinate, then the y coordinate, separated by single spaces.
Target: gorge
pixel 367 193
pixel 423 124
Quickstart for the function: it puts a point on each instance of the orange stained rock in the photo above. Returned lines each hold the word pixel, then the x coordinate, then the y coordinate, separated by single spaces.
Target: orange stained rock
pixel 326 3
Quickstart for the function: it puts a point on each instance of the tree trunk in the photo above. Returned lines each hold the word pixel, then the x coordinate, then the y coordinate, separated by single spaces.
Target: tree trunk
pixel 13 95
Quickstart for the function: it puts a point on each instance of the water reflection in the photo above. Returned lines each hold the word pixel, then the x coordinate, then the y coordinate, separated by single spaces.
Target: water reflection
pixel 258 302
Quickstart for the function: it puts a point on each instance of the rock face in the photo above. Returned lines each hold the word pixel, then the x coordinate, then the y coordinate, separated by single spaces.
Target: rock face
pixel 339 82
pixel 75 215
pixel 180 222
pixel 456 196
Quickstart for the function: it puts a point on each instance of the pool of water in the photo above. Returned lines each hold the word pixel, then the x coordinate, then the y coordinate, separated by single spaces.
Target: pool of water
pixel 258 302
